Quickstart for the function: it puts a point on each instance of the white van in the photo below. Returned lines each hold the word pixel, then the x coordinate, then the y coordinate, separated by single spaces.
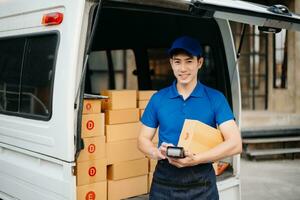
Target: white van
pixel 52 52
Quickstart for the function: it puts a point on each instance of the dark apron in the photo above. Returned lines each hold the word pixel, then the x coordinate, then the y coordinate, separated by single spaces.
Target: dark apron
pixel 197 182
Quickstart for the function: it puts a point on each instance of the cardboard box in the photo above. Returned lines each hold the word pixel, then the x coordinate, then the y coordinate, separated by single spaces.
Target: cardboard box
pixel 127 169
pixel 145 94
pixel 198 137
pixel 91 106
pixel 126 188
pixel 152 165
pixel 141 113
pixel 92 125
pixel 95 191
pixel 120 151
pixel 91 171
pixel 142 104
pixel 119 99
pixel 94 149
pixel 121 116
pixel 150 177
pixel 117 132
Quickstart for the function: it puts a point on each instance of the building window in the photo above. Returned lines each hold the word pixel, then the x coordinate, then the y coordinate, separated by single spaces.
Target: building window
pixel 280 59
pixel 253 66
pixel 27 74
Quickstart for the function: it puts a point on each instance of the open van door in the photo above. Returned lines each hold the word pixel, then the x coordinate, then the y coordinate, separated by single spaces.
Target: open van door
pixel 269 18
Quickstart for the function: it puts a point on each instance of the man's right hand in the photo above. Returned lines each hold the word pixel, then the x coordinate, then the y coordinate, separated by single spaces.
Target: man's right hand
pixel 163 149
pixel 157 155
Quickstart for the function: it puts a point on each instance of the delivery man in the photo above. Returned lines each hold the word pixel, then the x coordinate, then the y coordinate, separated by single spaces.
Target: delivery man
pixel 191 177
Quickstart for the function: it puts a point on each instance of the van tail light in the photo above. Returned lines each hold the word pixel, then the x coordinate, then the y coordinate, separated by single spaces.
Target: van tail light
pixel 54 18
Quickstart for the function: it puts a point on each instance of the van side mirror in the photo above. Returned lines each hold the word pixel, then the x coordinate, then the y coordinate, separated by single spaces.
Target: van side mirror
pixel 266 29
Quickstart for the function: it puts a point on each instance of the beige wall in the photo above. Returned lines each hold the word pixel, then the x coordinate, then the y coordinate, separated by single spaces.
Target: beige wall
pixel 283 100
pixel 283 104
pixel 297 62
pixel 287 100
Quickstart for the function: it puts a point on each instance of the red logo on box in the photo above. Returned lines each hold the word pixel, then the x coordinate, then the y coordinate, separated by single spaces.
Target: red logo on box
pixel 90 195
pixel 88 106
pixel 90 125
pixel 92 148
pixel 92 171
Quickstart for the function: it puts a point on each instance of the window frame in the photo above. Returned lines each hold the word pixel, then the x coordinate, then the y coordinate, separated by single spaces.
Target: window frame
pixel 284 65
pixel 34 116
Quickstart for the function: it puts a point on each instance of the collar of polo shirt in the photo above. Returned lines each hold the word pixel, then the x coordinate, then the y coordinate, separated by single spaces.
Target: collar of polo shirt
pixel 197 92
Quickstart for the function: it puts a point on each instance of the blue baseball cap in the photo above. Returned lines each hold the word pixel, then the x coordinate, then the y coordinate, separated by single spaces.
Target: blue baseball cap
pixel 188 44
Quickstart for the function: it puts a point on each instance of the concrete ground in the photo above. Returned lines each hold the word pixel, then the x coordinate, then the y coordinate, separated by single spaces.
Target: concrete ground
pixel 270 179
pixel 267 179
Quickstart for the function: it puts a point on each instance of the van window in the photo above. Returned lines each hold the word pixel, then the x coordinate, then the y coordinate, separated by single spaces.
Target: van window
pixel 160 68
pixel 26 75
pixel 113 69
pixel 149 46
pixel 253 66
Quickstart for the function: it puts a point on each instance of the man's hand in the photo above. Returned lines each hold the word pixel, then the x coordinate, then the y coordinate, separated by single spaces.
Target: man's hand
pixel 157 155
pixel 189 160
pixel 163 148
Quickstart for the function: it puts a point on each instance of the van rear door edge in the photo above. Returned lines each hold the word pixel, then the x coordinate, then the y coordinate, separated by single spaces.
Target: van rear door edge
pixel 249 13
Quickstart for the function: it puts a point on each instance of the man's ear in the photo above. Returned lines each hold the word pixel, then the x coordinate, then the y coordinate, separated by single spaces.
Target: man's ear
pixel 171 61
pixel 200 62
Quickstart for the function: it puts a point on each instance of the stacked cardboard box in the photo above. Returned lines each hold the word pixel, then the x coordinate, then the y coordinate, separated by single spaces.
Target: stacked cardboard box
pixel 110 159
pixel 142 101
pixel 91 162
pixel 152 165
pixel 131 176
pixel 127 170
pixel 143 97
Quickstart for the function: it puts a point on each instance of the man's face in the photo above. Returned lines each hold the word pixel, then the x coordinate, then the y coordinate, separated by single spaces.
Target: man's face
pixel 185 68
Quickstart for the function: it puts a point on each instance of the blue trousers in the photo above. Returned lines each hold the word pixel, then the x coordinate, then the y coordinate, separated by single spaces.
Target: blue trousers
pixel 197 182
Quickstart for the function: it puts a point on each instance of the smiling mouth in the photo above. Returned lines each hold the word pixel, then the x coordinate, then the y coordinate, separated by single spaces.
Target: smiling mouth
pixel 183 75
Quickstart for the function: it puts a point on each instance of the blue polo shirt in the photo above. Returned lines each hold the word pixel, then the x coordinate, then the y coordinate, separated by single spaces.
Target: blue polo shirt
pixel 168 110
